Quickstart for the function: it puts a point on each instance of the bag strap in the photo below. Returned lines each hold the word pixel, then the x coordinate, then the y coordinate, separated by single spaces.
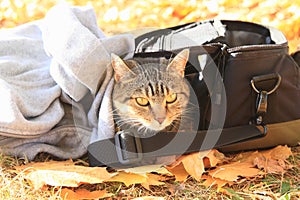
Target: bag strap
pixel 125 150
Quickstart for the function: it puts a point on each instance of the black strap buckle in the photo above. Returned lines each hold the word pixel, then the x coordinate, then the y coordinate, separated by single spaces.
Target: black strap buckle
pixel 261 106
pixel 262 98
pixel 128 148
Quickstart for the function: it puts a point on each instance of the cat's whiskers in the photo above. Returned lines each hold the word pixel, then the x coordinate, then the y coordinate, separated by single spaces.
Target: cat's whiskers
pixel 187 115
pixel 192 104
pixel 174 124
pixel 114 112
pixel 131 122
pixel 142 129
pixel 188 118
pixel 188 111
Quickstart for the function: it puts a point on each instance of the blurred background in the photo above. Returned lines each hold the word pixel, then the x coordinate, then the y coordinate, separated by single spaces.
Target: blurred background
pixel 117 16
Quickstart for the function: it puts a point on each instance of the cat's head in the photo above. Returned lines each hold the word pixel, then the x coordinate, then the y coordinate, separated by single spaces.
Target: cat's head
pixel 150 94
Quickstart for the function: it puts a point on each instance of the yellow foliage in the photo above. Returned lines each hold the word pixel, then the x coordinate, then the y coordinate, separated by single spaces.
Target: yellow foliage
pixel 115 16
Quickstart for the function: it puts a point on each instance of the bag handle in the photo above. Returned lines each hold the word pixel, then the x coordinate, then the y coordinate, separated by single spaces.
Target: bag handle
pixel 126 150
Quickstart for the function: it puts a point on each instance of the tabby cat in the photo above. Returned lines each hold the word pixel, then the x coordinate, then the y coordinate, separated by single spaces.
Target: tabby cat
pixel 150 94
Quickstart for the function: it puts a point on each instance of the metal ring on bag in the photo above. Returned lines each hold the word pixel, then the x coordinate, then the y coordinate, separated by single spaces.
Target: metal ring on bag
pixel 266 77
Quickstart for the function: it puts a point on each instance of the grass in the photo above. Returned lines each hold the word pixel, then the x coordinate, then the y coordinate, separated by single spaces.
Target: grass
pixel 14 186
pixel 271 186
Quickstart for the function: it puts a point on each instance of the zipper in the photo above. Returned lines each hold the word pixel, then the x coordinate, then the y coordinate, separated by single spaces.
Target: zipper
pixel 256 47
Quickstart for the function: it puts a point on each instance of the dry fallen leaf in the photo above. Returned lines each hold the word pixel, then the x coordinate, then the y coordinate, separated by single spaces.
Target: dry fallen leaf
pixel 128 178
pixel 234 171
pixel 145 180
pixel 143 170
pixel 248 164
pixel 241 167
pixel 79 194
pixel 154 180
pixel 143 175
pixel 62 173
pixel 210 181
pixel 212 158
pixel 178 171
pixel 274 160
pixel 194 164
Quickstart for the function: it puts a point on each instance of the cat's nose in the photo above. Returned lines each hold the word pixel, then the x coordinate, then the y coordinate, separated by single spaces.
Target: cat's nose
pixel 160 119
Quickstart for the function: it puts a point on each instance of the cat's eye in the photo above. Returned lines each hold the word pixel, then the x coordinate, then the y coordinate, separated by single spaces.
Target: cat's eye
pixel 171 98
pixel 142 101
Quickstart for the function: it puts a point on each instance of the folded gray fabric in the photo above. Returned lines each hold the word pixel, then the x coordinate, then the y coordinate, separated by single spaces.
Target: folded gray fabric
pixel 50 72
pixel 103 122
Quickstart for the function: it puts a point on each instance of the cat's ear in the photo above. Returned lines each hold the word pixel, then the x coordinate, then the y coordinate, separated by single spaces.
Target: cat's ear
pixel 179 62
pixel 119 66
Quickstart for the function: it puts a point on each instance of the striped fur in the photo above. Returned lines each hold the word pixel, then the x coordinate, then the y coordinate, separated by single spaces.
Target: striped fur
pixel 154 80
